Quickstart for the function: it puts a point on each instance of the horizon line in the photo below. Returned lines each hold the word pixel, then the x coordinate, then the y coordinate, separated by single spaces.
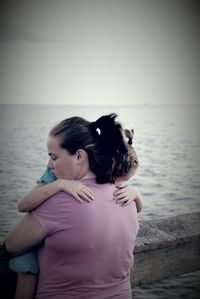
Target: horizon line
pixel 87 104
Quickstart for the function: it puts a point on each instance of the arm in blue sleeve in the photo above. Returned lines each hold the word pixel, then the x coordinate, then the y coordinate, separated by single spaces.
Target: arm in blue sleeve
pixel 47 177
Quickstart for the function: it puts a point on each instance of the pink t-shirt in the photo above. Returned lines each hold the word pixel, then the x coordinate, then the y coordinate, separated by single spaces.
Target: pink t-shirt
pixel 88 250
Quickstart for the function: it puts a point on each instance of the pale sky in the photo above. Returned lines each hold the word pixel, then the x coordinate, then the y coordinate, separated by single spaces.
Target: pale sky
pixel 119 52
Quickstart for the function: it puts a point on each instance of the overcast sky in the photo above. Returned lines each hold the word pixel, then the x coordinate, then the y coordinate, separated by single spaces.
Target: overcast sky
pixel 100 52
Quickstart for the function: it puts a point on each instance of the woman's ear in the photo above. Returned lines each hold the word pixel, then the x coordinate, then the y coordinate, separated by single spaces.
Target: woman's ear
pixel 80 156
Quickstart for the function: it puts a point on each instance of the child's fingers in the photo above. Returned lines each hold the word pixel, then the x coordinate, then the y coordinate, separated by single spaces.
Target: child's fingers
pixel 120 196
pixel 77 197
pixel 121 200
pixel 118 192
pixel 86 196
pixel 89 193
pixel 119 186
pixel 127 202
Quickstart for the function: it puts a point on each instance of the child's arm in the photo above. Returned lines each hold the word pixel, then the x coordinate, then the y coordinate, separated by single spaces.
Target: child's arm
pixel 42 192
pixel 126 194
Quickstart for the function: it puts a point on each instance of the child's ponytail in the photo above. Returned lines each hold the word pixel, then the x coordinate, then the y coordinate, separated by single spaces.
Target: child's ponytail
pixel 111 147
pixel 109 134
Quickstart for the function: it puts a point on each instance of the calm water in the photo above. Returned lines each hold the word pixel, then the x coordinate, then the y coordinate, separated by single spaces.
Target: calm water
pixel 167 140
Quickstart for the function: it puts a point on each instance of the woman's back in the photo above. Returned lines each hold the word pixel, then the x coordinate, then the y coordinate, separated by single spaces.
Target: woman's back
pixel 88 249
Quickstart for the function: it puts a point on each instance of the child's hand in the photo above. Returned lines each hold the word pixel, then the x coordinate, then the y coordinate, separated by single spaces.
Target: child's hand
pixel 77 189
pixel 125 194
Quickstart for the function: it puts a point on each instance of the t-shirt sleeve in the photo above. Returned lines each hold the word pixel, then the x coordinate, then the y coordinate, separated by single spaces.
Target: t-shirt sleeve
pixel 47 214
pixel 47 177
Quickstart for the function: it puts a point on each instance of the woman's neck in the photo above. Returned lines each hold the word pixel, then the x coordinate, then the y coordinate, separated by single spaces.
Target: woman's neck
pixel 89 175
pixel 85 174
pixel 84 171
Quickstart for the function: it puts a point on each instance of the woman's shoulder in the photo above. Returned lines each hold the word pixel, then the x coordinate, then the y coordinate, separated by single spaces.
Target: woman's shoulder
pixel 52 203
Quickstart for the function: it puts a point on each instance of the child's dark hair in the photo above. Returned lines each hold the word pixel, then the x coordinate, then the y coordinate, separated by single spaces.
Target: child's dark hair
pixel 128 161
pixel 102 140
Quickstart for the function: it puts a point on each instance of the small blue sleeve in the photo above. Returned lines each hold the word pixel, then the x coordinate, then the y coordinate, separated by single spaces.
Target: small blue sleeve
pixel 47 177
pixel 26 263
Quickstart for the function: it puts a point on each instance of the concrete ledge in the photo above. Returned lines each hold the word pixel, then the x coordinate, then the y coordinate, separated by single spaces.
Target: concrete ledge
pixel 166 247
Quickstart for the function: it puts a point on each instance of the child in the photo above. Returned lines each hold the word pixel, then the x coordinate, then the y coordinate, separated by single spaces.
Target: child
pixel 26 265
pixel 126 194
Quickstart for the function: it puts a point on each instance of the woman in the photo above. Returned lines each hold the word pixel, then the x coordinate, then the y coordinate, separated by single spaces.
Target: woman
pixel 87 250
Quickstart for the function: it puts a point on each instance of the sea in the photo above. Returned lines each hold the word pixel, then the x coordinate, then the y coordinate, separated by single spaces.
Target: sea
pixel 166 139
